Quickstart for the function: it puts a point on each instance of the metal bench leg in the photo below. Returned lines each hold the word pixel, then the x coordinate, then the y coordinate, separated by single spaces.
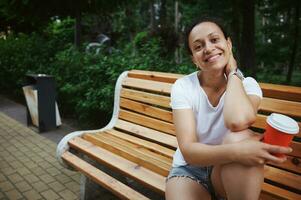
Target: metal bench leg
pixel 83 192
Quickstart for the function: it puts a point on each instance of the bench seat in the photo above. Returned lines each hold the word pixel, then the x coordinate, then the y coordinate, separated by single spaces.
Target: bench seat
pixel 140 140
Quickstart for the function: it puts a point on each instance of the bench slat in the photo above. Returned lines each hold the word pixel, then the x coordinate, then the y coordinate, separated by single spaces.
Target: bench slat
pixel 153 86
pixel 147 133
pixel 271 192
pixel 146 109
pixel 289 165
pixel 281 106
pixel 119 189
pixel 136 154
pixel 131 169
pixel 142 142
pixel 284 92
pixel 283 177
pixel 147 121
pixel 154 76
pixel 146 97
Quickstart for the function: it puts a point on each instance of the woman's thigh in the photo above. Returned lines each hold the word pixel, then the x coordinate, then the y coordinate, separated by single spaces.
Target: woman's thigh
pixel 216 172
pixel 217 181
pixel 182 188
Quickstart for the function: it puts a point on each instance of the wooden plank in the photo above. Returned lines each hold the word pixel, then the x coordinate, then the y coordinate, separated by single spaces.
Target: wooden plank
pixel 147 133
pixel 271 192
pixel 138 148
pixel 290 108
pixel 289 165
pixel 132 153
pixel 118 163
pixel 155 76
pixel 153 86
pixel 261 123
pixel 116 187
pixel 146 109
pixel 147 121
pixel 284 92
pixel 282 177
pixel 146 97
pixel 142 142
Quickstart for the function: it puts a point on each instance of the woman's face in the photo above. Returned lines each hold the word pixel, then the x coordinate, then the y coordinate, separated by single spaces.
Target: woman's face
pixel 210 49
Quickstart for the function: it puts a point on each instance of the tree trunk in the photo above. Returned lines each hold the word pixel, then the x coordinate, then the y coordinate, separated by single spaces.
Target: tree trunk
pixel 295 42
pixel 152 17
pixel 235 24
pixel 247 56
pixel 77 32
pixel 177 57
pixel 163 13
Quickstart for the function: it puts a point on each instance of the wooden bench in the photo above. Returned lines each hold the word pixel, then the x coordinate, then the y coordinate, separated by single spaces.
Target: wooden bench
pixel 139 141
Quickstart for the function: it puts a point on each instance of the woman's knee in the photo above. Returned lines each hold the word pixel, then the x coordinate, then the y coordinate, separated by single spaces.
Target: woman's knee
pixel 233 137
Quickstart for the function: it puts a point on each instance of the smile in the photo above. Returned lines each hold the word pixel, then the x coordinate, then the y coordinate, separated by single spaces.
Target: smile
pixel 213 58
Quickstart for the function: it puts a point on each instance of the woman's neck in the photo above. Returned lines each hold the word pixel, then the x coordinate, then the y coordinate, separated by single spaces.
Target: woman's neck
pixel 212 80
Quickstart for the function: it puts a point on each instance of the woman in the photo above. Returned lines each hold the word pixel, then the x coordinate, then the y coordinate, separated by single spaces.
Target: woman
pixel 218 156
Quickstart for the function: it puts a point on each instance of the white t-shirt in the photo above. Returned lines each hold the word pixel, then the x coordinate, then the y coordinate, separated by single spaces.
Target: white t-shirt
pixel 187 93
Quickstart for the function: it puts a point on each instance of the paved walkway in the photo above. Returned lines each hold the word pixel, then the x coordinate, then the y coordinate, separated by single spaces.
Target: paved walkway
pixel 28 167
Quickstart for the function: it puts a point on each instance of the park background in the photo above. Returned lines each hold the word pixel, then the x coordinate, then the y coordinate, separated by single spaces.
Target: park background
pixel 52 37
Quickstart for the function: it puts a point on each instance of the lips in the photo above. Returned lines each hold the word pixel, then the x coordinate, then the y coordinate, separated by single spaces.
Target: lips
pixel 212 58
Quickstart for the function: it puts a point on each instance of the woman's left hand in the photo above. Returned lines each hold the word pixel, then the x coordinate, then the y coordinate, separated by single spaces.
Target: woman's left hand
pixel 231 65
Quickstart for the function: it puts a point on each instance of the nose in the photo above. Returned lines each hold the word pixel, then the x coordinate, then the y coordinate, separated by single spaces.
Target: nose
pixel 209 47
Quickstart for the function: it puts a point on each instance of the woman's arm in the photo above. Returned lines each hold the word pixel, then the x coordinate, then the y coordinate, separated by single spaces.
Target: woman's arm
pixel 240 109
pixel 249 152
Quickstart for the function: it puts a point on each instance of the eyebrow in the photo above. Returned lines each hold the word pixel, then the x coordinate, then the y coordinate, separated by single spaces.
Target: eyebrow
pixel 210 34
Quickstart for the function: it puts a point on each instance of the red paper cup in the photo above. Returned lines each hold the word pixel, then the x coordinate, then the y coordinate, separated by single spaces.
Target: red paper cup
pixel 280 130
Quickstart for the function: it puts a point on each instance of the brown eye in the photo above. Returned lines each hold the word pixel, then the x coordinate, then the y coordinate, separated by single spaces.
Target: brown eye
pixel 198 47
pixel 214 40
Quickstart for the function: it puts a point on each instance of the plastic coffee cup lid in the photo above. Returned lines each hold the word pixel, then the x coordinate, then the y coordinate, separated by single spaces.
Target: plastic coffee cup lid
pixel 283 123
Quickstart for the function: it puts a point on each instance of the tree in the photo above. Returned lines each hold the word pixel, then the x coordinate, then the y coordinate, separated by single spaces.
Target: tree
pixel 247 50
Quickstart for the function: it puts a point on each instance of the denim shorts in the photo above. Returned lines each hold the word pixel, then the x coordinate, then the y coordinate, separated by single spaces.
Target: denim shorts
pixel 202 175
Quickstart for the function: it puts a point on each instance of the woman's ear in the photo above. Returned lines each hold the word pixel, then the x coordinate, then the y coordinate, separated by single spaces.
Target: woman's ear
pixel 229 42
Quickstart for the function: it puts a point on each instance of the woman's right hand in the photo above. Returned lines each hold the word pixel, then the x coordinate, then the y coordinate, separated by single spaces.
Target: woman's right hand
pixel 254 152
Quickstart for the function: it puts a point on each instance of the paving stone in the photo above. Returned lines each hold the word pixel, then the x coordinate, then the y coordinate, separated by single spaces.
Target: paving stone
pixel 23 186
pixel 38 171
pixel 4 164
pixel 32 195
pixel 31 178
pixel 16 164
pixel 13 194
pixel 45 164
pixel 57 186
pixel 2 196
pixel 23 171
pixel 8 171
pixel 37 159
pixel 53 171
pixel 40 186
pixel 15 178
pixel 72 186
pixel 50 195
pixel 62 178
pixel 6 186
pixel 66 194
pixel 47 178
pixel 2 178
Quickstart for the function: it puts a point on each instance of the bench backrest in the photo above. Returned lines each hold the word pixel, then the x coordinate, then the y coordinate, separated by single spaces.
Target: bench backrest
pixel 145 112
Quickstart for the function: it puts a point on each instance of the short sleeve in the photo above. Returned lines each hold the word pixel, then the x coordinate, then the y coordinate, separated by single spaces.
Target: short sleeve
pixel 179 96
pixel 252 87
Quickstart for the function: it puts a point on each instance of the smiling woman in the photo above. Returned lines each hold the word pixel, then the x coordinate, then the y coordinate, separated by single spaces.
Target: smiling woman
pixel 212 110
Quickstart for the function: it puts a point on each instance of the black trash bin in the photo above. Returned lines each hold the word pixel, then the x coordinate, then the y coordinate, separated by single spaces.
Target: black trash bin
pixel 40 95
